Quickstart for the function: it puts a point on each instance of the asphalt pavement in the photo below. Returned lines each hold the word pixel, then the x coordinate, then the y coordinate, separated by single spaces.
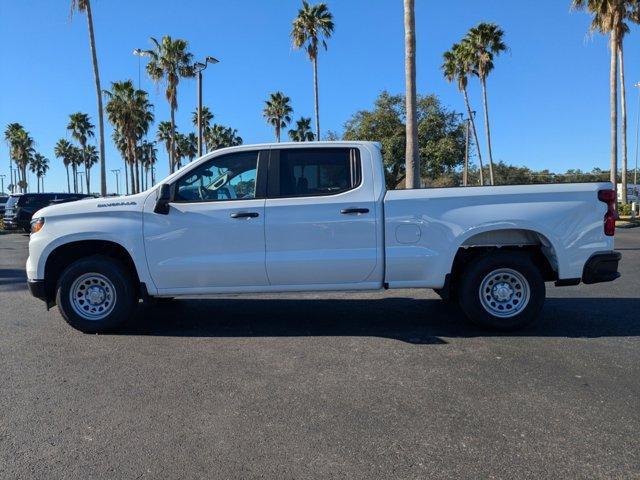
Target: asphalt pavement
pixel 373 385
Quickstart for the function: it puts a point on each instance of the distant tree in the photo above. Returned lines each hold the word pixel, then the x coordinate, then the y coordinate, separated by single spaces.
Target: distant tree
pixel 457 67
pixel 205 120
pixel 63 151
pixel 169 61
pixel 81 130
pixel 484 42
pixel 302 132
pixel 39 165
pixel 218 136
pixel 21 150
pixel 278 111
pixel 440 136
pixel 313 25
pixel 130 112
pixel 166 133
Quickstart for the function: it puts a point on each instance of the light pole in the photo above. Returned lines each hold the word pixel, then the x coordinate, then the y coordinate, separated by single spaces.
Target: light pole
pixel 139 53
pixel 2 184
pixel 117 173
pixel 199 67
pixel 81 181
pixel 635 171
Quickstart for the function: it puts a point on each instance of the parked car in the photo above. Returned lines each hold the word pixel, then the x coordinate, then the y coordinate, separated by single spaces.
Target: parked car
pixel 21 206
pixel 317 217
pixel 3 202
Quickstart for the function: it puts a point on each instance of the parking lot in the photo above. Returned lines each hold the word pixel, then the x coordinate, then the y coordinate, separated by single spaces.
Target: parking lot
pixel 336 385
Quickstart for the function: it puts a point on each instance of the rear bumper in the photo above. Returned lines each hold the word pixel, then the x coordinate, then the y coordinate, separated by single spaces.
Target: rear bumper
pixel 37 289
pixel 601 267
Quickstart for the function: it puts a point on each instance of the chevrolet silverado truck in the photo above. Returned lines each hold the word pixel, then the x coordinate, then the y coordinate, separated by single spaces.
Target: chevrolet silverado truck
pixel 317 217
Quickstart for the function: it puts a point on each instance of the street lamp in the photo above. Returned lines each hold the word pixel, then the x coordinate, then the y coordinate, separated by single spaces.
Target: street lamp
pixel 199 67
pixel 139 53
pixel 635 171
pixel 117 173
pixel 2 184
pixel 81 181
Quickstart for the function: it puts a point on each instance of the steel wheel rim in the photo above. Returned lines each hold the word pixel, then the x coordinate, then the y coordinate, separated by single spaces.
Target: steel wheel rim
pixel 92 296
pixel 504 293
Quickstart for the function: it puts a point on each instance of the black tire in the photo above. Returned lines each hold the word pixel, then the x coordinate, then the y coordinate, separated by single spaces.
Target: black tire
pixel 126 296
pixel 471 283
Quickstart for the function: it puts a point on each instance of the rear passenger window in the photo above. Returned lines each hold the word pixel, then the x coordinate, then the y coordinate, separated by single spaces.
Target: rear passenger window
pixel 317 171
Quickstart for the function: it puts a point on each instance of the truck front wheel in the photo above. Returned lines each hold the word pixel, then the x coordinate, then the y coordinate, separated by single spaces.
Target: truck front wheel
pixel 95 294
pixel 503 291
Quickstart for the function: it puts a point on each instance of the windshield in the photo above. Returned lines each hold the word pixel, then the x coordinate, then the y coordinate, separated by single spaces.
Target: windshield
pixel 11 202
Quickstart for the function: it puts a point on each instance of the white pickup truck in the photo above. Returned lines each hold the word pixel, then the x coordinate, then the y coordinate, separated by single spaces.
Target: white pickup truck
pixel 317 217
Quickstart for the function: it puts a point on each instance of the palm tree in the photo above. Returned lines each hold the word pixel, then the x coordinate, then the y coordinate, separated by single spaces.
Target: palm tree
pixel 39 165
pixel 181 147
pixel 63 151
pixel 412 154
pixel 149 157
pixel 205 120
pixel 457 67
pixel 312 26
pixel 9 135
pixel 170 61
pixel 165 134
pixel 190 147
pixel 121 144
pixel 129 111
pixel 21 151
pixel 218 136
pixel 81 130
pixel 302 132
pixel 278 111
pixel 485 41
pixel 85 6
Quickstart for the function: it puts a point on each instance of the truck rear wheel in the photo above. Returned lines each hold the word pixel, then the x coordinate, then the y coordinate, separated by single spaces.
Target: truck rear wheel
pixel 95 294
pixel 502 291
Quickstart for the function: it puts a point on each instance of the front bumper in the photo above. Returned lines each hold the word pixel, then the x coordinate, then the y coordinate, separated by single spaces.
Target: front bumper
pixel 37 289
pixel 601 267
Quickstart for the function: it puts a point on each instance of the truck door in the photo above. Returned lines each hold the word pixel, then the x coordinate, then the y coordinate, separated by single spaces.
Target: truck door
pixel 213 235
pixel 320 219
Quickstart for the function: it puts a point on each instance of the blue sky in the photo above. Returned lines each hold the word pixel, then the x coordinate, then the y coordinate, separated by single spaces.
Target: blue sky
pixel 548 96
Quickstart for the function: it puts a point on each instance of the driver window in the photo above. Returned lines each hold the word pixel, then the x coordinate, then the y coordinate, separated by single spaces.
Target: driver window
pixel 229 177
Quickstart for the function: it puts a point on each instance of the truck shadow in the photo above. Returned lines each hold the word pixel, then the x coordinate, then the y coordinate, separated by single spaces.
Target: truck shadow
pixel 415 321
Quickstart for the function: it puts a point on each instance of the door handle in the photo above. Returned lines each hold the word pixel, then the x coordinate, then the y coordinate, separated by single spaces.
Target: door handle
pixel 245 214
pixel 347 211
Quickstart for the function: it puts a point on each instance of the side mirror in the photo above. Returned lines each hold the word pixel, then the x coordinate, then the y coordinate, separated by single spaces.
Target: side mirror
pixel 162 202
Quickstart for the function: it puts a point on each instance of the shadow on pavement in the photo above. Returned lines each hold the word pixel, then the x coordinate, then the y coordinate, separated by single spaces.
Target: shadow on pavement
pixel 415 321
pixel 13 279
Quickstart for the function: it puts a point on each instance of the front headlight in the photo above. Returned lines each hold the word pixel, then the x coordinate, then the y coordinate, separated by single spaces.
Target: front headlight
pixel 37 224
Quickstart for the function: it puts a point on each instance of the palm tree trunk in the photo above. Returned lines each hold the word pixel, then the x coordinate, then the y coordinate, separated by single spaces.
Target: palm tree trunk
pixel 315 96
pixel 68 184
pixel 465 171
pixel 623 114
pixel 487 129
pixel 412 179
pixel 613 105
pixel 475 133
pixel 126 176
pixel 87 177
pixel 96 74
pixel 133 187
pixel 172 154
pixel 278 132
pixel 74 171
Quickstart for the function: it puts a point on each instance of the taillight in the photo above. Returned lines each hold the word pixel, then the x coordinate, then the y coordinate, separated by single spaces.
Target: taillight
pixel 609 197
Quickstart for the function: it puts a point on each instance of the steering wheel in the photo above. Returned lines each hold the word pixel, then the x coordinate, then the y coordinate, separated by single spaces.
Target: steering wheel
pixel 204 193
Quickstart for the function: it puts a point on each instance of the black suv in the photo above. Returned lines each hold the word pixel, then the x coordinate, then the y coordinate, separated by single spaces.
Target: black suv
pixel 21 206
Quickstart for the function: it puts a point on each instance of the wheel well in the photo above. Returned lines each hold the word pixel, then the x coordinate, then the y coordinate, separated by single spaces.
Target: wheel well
pixel 532 243
pixel 68 253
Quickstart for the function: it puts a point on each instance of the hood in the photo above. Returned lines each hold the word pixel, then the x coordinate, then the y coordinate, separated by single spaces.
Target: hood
pixel 128 203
